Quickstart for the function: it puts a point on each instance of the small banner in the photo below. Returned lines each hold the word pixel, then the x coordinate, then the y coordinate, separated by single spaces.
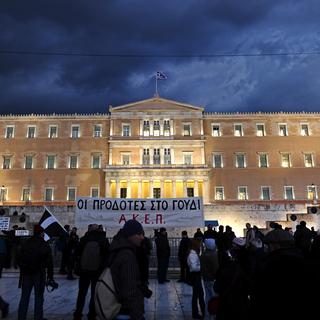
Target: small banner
pixel 4 223
pixel 151 213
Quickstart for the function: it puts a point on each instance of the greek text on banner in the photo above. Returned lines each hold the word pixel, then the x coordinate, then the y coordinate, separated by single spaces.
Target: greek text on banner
pixel 151 213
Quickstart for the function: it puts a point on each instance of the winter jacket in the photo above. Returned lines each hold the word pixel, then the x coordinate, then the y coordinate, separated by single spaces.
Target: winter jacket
pixel 126 277
pixel 209 265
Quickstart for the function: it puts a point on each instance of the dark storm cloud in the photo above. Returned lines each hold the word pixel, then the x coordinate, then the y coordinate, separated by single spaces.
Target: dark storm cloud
pixel 62 83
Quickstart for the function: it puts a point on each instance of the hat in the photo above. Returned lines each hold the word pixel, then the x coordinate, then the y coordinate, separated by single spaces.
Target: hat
pixel 278 236
pixel 240 242
pixel 163 229
pixel 37 229
pixel 210 244
pixel 132 227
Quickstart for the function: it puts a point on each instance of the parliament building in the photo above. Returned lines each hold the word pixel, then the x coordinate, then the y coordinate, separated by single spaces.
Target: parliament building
pixel 247 167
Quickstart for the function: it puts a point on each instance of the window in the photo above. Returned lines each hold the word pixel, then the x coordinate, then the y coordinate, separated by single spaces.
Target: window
pixel 123 192
pixel 94 192
pixel 73 162
pixel 240 160
pixel 48 194
pixel 26 194
pixel 53 131
pixel 265 193
pixel 9 132
pixel 146 128
pixel 166 128
pixel 242 193
pixel 97 131
pixel 126 130
pixel 312 192
pixel 187 158
pixel 156 193
pixel 216 130
pixel 288 193
pixel 125 158
pixel 51 162
pixel 217 161
pixel 156 128
pixel 156 156
pixel 261 130
pixel 75 131
pixel 146 156
pixel 308 160
pixel 186 129
pixel 71 194
pixel 304 129
pixel 31 132
pixel 167 156
pixel 219 193
pixel 190 192
pixel 283 129
pixel 96 161
pixel 6 162
pixel 3 194
pixel 238 132
pixel 28 162
pixel 263 160
pixel 285 160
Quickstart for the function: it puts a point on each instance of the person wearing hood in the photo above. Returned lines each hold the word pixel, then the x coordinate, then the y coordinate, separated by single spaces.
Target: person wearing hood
pixel 209 264
pixel 125 270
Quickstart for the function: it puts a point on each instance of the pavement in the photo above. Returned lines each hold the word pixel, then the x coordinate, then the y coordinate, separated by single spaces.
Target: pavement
pixel 169 301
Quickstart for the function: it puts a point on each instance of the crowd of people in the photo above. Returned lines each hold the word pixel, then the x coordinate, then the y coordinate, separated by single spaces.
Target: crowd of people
pixel 259 275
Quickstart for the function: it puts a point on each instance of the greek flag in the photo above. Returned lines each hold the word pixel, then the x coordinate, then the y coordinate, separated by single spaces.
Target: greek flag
pixel 160 76
pixel 51 226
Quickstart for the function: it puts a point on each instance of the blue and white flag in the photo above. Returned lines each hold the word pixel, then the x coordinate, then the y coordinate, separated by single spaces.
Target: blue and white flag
pixel 160 76
pixel 51 226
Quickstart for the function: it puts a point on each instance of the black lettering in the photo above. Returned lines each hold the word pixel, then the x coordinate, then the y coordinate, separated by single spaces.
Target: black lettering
pixel 80 204
pixel 152 205
pixel 143 208
pixel 96 204
pixel 164 205
pixel 123 205
pixel 115 206
pixel 108 204
pixel 193 205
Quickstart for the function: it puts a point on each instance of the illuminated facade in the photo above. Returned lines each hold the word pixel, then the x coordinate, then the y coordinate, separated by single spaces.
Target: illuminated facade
pixel 253 167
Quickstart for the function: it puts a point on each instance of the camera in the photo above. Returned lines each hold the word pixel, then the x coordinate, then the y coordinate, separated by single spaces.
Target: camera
pixel 51 284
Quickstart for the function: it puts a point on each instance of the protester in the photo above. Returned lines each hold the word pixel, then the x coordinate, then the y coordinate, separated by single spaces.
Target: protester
pixel 4 307
pixel 195 276
pixel 71 248
pixel 62 246
pixel 209 233
pixel 198 234
pixel 209 267
pixel 36 265
pixel 91 255
pixel 163 255
pixel 183 251
pixel 125 270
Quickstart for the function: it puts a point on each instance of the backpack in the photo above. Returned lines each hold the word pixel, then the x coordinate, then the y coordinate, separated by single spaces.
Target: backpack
pixel 107 305
pixel 90 259
pixel 30 257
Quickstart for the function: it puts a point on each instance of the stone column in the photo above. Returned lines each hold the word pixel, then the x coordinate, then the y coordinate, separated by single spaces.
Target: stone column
pixel 128 189
pixel 196 188
pixel 117 188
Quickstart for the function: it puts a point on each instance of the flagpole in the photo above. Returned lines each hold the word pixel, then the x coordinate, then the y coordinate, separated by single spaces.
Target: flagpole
pixel 156 84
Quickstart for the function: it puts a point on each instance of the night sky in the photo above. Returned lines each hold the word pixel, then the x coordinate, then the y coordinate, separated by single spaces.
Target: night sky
pixel 68 56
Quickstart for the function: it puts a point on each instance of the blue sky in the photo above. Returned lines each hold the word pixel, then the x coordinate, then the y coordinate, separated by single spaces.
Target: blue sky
pixel 81 56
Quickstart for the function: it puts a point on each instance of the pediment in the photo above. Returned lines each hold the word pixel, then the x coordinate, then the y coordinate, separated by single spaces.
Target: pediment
pixel 156 104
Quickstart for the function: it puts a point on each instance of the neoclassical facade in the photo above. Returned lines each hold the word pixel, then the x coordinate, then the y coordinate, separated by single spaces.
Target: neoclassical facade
pixel 255 167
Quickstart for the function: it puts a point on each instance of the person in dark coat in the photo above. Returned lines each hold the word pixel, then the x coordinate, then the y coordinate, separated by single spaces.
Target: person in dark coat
pixel 143 255
pixel 233 284
pixel 163 255
pixel 71 249
pixel 303 238
pixel 183 252
pixel 285 281
pixel 36 265
pixel 198 234
pixel 89 277
pixel 210 233
pixel 125 270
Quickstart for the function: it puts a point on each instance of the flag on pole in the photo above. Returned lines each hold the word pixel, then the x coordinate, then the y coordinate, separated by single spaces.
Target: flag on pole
pixel 51 226
pixel 160 76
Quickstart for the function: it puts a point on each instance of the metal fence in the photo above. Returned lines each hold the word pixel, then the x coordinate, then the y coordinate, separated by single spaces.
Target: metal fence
pixel 173 262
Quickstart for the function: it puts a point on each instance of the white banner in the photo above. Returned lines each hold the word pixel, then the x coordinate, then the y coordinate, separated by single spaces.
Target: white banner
pixel 151 213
